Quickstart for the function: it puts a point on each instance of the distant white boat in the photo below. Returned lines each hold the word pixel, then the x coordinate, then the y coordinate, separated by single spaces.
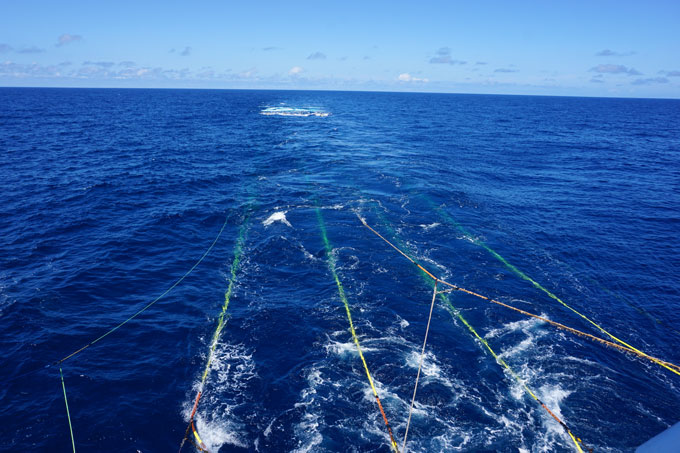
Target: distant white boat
pixel 294 111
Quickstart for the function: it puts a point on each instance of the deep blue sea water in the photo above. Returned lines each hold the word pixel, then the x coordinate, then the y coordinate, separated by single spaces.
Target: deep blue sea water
pixel 109 196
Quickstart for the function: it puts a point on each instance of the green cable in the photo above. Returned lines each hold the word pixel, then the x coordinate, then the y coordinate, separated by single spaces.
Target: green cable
pixel 455 313
pixel 238 252
pixel 146 307
pixel 221 322
pixel 537 285
pixel 68 414
pixel 355 338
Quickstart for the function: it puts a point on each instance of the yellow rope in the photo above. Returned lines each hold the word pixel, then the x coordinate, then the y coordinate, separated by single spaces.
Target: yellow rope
pixel 553 296
pixel 672 367
pixel 147 306
pixel 68 413
pixel 668 365
pixel 343 297
pixel 577 441
pixel 221 323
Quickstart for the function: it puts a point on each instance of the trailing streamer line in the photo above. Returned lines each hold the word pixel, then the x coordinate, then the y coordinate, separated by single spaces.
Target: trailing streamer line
pixel 343 297
pixel 672 367
pixel 454 311
pixel 221 323
pixel 68 414
pixel 446 216
pixel 636 307
pixel 548 292
pixel 456 314
pixel 150 304
pixel 668 365
pixel 142 310
pixel 59 362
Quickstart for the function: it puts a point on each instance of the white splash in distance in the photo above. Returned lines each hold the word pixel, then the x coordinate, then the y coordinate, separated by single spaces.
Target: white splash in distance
pixel 294 111
pixel 430 226
pixel 279 216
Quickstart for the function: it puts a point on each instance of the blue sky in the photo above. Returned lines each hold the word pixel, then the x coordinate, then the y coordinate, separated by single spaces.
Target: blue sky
pixel 577 48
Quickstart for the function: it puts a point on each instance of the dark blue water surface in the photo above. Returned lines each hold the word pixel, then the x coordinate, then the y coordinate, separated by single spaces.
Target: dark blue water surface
pixel 109 196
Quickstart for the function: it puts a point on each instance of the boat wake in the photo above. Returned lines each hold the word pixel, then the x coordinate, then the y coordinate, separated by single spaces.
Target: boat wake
pixel 294 111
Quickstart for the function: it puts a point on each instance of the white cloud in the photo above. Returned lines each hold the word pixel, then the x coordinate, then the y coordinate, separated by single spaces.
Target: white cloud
pixel 406 77
pixel 295 70
pixel 21 71
pixel 101 71
pixel 67 39
pixel 249 74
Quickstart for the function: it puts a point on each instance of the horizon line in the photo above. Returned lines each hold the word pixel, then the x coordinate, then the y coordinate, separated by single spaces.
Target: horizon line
pixel 337 91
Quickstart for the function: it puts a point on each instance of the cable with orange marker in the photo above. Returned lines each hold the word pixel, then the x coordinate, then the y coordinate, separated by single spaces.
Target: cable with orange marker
pixel 343 297
pixel 576 440
pixel 221 323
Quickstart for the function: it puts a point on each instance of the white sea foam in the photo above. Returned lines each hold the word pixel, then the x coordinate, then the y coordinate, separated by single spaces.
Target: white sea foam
pixel 268 430
pixel 314 379
pixel 307 430
pixel 294 111
pixel 517 349
pixel 430 367
pixel 552 396
pixel 447 442
pixel 308 433
pixel 527 358
pixel 430 226
pixel 216 432
pixel 423 257
pixel 351 265
pixel 524 325
pixel 322 391
pixel 279 216
pixel 231 371
pixel 343 349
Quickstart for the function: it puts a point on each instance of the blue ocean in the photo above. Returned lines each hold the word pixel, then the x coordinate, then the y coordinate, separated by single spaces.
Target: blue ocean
pixel 240 212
